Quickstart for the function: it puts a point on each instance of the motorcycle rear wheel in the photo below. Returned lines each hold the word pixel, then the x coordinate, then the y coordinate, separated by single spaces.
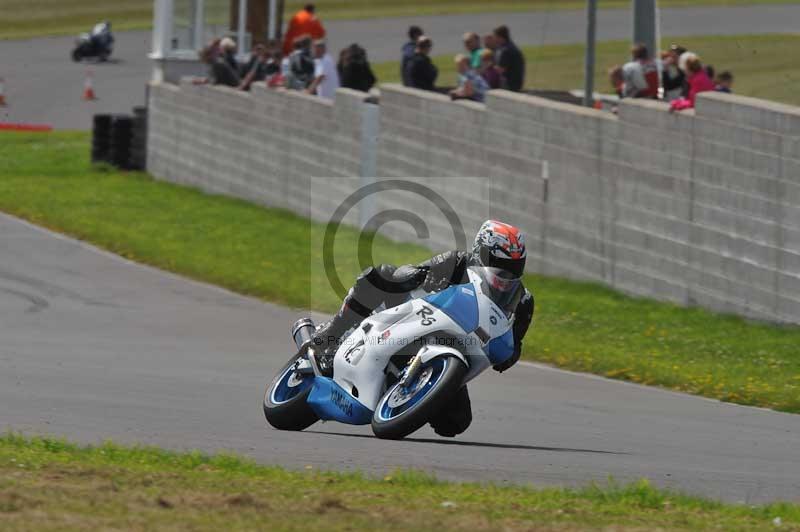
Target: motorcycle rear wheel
pixel 285 400
pixel 403 411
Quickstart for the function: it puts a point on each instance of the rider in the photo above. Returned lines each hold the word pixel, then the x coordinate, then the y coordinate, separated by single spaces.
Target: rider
pixel 496 245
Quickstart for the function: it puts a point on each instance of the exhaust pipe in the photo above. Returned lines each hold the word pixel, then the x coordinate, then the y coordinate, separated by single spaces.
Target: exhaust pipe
pixel 302 331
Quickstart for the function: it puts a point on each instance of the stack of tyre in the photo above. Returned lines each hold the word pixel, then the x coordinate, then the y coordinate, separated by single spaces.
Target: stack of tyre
pixel 120 140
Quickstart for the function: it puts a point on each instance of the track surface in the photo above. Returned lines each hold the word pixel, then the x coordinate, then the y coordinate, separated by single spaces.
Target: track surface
pixel 94 347
pixel 44 86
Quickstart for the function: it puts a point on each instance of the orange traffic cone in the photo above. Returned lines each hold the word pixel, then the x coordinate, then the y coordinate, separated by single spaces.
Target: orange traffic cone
pixel 88 88
pixel 2 93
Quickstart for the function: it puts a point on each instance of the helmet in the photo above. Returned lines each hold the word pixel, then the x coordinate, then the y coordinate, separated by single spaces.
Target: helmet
pixel 499 245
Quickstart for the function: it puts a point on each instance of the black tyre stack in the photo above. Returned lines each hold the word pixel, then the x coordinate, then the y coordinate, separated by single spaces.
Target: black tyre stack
pixel 121 133
pixel 101 138
pixel 121 140
pixel 138 157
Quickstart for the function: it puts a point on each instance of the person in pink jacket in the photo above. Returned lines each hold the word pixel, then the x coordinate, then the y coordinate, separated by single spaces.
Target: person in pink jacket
pixel 698 81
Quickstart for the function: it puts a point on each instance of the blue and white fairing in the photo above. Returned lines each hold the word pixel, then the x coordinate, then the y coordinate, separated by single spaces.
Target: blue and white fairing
pixel 466 320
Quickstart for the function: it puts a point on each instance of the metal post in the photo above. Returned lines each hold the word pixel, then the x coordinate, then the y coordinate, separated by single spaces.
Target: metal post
pixel 198 29
pixel 644 24
pixel 242 29
pixel 272 31
pixel 591 38
pixel 162 35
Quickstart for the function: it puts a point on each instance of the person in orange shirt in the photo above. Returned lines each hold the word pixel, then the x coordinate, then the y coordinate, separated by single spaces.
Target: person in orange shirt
pixel 303 22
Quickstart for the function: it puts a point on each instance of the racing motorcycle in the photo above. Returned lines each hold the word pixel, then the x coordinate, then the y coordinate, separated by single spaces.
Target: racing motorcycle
pixel 400 366
pixel 98 43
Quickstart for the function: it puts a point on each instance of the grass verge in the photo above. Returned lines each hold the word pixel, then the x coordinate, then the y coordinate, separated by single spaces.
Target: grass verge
pixel 33 18
pixel 46 178
pixel 764 65
pixel 49 484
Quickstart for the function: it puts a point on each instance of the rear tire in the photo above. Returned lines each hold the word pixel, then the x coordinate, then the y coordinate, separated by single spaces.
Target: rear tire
pixel 285 400
pixel 399 414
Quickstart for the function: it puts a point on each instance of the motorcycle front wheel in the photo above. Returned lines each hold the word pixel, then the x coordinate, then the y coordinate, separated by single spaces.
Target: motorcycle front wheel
pixel 285 405
pixel 76 55
pixel 405 409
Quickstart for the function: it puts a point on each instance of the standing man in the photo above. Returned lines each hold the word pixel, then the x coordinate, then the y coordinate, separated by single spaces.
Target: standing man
pixel 510 60
pixel 326 77
pixel 420 70
pixel 640 74
pixel 304 22
pixel 472 43
pixel 414 33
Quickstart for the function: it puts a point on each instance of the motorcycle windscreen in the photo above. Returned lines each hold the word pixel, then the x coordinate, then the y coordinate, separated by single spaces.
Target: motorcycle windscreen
pixel 502 287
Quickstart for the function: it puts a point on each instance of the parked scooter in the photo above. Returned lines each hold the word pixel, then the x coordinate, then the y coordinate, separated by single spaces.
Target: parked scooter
pixel 98 43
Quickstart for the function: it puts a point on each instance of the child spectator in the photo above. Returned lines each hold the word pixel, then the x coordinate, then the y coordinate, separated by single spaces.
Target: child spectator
pixel 672 77
pixel 489 71
pixel 420 70
pixel 326 77
pixel 698 81
pixel 304 22
pixel 617 80
pixel 640 75
pixel 510 60
pixel 227 47
pixel 472 43
pixel 354 70
pixel 724 82
pixel 414 33
pixel 471 86
pixel 301 65
pixel 489 43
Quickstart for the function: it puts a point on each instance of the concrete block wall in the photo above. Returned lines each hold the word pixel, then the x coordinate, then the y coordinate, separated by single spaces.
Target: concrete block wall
pixel 698 208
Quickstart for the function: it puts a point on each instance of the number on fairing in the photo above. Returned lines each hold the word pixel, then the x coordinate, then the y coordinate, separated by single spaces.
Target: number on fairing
pixel 426 313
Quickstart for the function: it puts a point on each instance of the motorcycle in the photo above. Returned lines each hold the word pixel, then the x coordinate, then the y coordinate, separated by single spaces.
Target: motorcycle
pixel 400 366
pixel 98 43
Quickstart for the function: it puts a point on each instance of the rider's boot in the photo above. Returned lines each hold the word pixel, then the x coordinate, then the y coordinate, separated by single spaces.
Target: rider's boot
pixel 329 334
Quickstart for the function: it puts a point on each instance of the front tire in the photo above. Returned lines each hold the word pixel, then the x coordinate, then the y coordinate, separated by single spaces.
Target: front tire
pixel 403 411
pixel 285 400
pixel 76 55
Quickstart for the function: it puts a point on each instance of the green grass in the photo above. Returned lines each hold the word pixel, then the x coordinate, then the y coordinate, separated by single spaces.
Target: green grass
pixel 765 66
pixel 31 18
pixel 50 484
pixel 46 178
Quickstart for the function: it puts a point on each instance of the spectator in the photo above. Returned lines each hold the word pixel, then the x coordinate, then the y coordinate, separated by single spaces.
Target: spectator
pixel 255 55
pixel 260 67
pixel 326 77
pixel 414 33
pixel 672 77
pixel 219 70
pixel 489 71
pixel 711 72
pixel 473 45
pixel 354 70
pixel 617 80
pixel 471 86
pixel 640 75
pixel 724 82
pixel 489 43
pixel 227 48
pixel 301 65
pixel 421 72
pixel 698 81
pixel 304 22
pixel 278 79
pixel 510 60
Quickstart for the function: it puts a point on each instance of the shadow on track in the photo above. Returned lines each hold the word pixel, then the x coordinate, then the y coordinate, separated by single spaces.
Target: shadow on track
pixel 474 444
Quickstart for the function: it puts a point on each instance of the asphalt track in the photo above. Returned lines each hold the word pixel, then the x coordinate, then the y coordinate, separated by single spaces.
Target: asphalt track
pixel 44 86
pixel 93 346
